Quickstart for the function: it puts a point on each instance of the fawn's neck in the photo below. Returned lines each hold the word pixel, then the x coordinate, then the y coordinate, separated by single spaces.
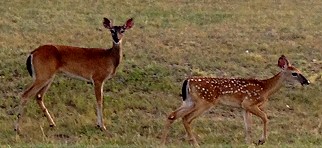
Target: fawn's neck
pixel 274 84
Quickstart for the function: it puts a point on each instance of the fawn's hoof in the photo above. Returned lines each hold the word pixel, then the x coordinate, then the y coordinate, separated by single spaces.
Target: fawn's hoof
pixel 17 130
pixel 102 128
pixel 261 142
pixel 52 125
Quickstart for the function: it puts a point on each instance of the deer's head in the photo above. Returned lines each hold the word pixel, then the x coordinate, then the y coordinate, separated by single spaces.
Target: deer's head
pixel 290 72
pixel 117 32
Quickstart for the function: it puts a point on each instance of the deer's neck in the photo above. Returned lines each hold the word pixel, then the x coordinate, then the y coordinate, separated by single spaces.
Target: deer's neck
pixel 116 52
pixel 274 84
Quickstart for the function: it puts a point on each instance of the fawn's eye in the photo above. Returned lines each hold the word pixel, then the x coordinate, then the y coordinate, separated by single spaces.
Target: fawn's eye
pixel 294 74
pixel 122 31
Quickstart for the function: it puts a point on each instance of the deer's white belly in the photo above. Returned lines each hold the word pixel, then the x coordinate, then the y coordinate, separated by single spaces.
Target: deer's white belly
pixel 229 100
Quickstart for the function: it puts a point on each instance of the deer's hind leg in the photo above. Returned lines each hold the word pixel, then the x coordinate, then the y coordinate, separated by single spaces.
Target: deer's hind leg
pixel 31 91
pixel 39 98
pixel 183 110
pixel 43 71
pixel 187 119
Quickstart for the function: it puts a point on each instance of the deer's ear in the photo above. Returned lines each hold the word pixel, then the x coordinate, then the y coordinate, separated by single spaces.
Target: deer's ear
pixel 283 62
pixel 107 23
pixel 129 23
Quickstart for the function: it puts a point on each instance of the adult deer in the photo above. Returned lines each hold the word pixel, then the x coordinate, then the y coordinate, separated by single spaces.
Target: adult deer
pixel 199 94
pixel 94 65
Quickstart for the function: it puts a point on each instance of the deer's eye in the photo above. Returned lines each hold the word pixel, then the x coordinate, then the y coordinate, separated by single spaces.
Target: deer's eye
pixel 294 74
pixel 122 31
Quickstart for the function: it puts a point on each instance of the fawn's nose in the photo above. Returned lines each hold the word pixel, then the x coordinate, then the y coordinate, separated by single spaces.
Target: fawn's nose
pixel 304 81
pixel 307 82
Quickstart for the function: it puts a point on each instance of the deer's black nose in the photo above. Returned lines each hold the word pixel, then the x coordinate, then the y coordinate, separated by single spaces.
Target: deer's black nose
pixel 304 81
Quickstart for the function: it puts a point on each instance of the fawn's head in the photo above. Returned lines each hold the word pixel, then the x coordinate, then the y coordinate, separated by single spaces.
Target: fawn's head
pixel 117 31
pixel 290 72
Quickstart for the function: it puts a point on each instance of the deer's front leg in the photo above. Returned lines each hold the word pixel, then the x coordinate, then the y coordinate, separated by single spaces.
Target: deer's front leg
pixel 264 118
pixel 248 123
pixel 99 104
pixel 254 109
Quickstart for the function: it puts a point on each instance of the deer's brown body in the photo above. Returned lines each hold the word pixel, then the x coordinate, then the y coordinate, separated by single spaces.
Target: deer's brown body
pixel 202 93
pixel 84 63
pixel 90 64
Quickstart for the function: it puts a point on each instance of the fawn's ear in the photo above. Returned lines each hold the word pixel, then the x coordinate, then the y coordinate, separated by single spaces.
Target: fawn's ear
pixel 107 23
pixel 129 24
pixel 283 62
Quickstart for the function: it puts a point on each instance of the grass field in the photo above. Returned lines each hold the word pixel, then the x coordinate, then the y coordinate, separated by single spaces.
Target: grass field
pixel 170 41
